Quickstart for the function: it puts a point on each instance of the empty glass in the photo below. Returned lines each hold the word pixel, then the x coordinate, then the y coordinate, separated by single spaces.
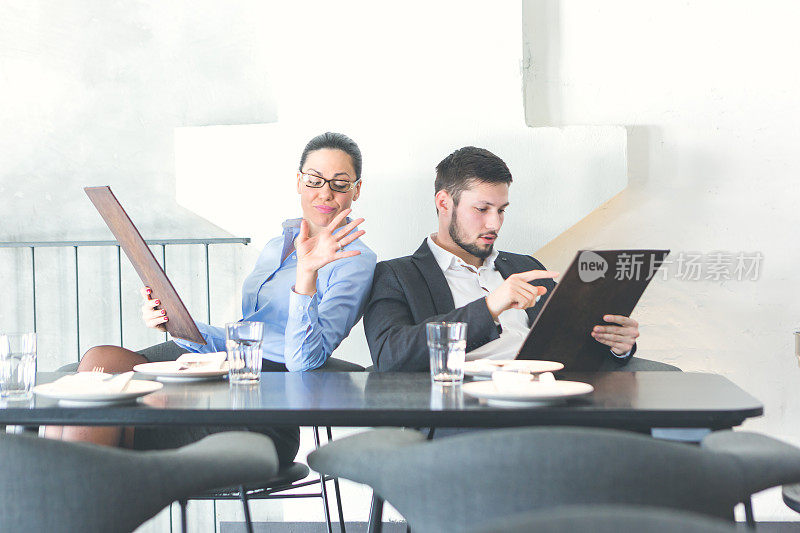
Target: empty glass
pixel 243 343
pixel 447 344
pixel 17 365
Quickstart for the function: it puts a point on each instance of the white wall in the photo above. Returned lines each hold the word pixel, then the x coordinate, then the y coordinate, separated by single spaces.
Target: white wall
pixel 708 93
pixel 91 92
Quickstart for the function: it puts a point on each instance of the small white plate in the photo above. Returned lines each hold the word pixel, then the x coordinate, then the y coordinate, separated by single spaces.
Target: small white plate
pixel 76 397
pixel 169 371
pixel 533 393
pixel 483 368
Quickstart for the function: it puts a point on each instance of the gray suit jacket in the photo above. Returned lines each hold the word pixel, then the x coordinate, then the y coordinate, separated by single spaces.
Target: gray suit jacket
pixel 409 292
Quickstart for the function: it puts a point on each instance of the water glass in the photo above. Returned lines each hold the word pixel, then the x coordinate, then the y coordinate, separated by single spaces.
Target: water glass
pixel 243 343
pixel 447 344
pixel 17 365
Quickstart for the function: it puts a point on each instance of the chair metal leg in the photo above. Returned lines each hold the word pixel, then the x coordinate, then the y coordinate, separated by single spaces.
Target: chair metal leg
pixel 325 507
pixel 339 505
pixel 248 522
pixel 184 526
pixel 375 523
pixel 337 491
pixel 748 513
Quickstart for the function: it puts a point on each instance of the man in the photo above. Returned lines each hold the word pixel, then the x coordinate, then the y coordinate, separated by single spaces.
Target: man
pixel 458 276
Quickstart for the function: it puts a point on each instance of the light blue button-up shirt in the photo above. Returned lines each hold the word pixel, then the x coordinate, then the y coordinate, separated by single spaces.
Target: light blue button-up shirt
pixel 300 331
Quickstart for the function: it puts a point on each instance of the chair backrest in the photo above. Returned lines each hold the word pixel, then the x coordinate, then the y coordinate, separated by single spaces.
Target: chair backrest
pixel 764 462
pixel 54 486
pixel 607 519
pixel 458 482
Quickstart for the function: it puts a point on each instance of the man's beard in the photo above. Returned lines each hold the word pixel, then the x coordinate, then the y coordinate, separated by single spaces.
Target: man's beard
pixel 471 248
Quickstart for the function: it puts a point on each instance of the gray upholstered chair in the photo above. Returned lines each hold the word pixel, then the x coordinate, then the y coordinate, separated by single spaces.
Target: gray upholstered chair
pixel 459 482
pixel 291 477
pixel 54 486
pixel 761 456
pixel 637 364
pixel 287 479
pixel 791 497
pixel 607 519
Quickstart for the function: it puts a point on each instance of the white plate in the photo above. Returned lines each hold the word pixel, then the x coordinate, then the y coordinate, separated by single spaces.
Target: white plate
pixel 168 371
pixel 73 396
pixel 531 394
pixel 483 368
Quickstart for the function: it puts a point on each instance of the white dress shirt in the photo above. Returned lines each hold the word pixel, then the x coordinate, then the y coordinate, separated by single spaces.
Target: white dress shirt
pixel 467 284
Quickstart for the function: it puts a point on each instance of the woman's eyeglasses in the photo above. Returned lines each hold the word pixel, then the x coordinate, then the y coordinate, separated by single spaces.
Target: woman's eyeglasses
pixel 317 182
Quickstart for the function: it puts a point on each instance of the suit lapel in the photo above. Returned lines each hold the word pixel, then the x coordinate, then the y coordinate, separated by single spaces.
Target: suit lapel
pixel 507 265
pixel 437 284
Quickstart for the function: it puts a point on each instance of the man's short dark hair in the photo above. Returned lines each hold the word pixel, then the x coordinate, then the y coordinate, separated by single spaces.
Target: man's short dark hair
pixel 456 172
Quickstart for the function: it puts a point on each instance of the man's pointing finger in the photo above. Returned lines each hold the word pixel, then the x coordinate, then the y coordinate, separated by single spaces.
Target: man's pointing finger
pixel 538 274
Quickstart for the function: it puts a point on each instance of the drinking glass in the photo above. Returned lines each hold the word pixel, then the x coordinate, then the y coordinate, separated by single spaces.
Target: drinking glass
pixel 243 343
pixel 447 343
pixel 17 365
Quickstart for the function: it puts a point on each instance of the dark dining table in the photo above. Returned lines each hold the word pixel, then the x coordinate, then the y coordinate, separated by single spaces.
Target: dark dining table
pixel 624 400
pixel 636 401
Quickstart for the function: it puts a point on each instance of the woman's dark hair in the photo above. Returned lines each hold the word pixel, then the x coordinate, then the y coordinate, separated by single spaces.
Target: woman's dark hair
pixel 456 172
pixel 334 141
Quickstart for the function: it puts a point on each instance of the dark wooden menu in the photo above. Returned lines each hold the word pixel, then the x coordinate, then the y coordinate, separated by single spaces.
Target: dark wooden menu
pixel 180 323
pixel 597 283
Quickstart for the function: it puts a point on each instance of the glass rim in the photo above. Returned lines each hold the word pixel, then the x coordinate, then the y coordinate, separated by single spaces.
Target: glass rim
pixel 243 322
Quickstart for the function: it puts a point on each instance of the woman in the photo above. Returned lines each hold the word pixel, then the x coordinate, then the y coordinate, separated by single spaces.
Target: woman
pixel 308 287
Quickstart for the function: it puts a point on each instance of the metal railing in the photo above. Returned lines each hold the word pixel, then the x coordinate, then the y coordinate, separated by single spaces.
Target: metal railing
pixel 76 245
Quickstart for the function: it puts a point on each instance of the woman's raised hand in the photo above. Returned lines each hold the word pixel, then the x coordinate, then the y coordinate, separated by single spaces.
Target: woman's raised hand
pixel 153 318
pixel 315 252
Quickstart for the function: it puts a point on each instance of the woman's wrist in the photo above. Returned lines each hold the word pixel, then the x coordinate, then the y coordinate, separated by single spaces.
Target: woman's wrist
pixel 306 281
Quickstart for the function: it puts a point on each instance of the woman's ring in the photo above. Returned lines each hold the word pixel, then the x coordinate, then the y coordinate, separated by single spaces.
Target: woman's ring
pixel 339 245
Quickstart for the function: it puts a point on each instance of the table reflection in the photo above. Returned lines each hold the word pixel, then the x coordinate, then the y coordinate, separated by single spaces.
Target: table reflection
pixel 612 389
pixel 17 403
pixel 245 395
pixel 444 397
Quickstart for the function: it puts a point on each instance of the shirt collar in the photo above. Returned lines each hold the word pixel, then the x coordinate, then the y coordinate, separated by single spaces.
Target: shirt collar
pixel 447 259
pixel 291 225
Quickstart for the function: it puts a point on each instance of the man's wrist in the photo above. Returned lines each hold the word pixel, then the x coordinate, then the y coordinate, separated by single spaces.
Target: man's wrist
pixel 495 315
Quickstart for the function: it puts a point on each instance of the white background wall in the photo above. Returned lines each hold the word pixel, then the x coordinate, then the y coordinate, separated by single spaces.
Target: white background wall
pixel 705 91
pixel 91 93
pixel 708 93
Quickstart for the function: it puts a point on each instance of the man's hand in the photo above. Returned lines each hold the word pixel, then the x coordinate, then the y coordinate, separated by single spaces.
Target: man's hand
pixel 516 292
pixel 620 338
